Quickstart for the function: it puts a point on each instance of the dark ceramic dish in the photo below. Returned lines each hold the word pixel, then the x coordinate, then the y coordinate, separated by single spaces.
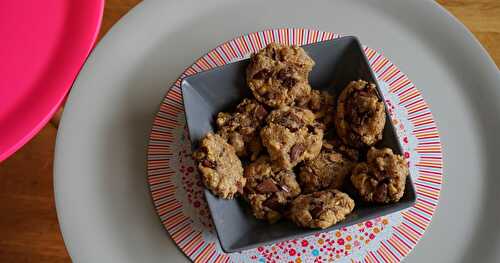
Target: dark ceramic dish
pixel 338 62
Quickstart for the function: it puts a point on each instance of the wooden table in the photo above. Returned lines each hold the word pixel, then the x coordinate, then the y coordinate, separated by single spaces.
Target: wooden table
pixel 28 222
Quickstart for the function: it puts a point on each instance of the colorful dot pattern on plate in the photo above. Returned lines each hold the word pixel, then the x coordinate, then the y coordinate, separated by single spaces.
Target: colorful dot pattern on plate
pixel 178 193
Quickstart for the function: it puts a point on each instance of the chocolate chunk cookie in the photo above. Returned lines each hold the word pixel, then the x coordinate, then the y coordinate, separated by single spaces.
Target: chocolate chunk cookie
pixel 360 116
pixel 219 166
pixel 320 209
pixel 322 104
pixel 291 135
pixel 240 128
pixel 382 178
pixel 278 75
pixel 327 171
pixel 269 190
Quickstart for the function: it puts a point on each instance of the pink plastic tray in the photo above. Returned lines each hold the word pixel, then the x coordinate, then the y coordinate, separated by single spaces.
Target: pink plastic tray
pixel 44 44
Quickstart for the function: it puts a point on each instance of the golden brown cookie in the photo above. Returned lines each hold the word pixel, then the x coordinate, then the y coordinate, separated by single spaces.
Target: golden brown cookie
pixel 382 178
pixel 240 128
pixel 269 190
pixel 291 135
pixel 327 171
pixel 320 209
pixel 220 168
pixel 360 116
pixel 278 75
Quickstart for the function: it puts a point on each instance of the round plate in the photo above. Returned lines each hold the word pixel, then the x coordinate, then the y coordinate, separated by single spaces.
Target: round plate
pixel 102 196
pixel 44 45
pixel 178 194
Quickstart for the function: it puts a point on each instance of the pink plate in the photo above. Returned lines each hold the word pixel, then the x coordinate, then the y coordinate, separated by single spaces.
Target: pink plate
pixel 44 44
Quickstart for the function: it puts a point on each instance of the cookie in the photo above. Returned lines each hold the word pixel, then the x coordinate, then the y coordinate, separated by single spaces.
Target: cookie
pixel 278 75
pixel 220 168
pixel 291 136
pixel 240 128
pixel 328 170
pixel 360 115
pixel 322 104
pixel 382 178
pixel 269 190
pixel 320 209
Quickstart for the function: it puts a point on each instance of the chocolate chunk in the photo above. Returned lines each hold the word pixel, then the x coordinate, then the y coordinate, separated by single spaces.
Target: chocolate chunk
pixel 316 194
pixel 275 55
pixel 209 164
pixel 286 77
pixel 357 116
pixel 296 151
pixel 386 180
pixel 267 186
pixel 273 204
pixel 365 115
pixel 316 211
pixel 289 82
pixel 364 92
pixel 260 112
pixel 380 193
pixel 263 74
pixel 310 128
pixel 204 150
pixel 292 122
pixel 382 176
pixel 285 73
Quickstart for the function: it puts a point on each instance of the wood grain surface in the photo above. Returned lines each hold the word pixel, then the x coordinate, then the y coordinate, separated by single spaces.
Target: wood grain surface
pixel 28 224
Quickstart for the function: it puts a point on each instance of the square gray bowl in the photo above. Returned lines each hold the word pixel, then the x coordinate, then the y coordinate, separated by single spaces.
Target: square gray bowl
pixel 338 62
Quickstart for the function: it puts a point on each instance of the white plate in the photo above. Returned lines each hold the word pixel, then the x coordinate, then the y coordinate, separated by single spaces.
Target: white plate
pixel 103 202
